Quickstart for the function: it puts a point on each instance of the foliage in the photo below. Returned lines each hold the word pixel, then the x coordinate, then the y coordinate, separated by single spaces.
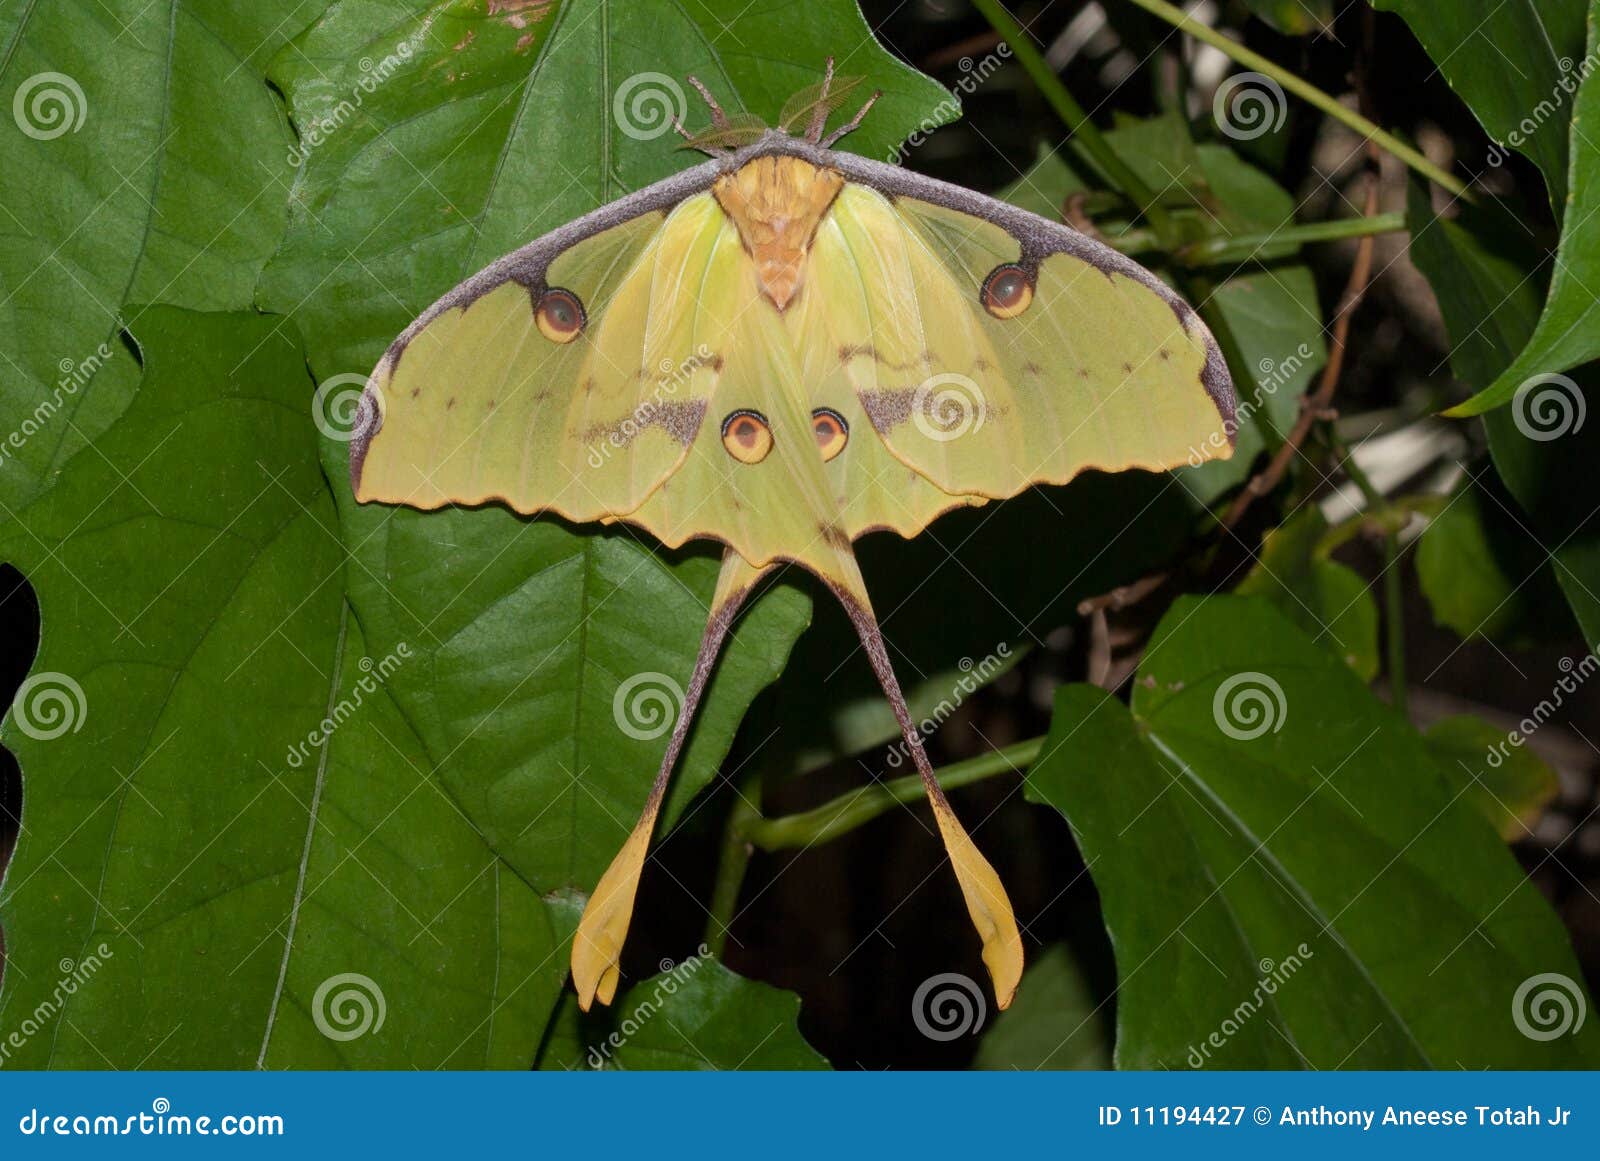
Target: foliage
pixel 310 784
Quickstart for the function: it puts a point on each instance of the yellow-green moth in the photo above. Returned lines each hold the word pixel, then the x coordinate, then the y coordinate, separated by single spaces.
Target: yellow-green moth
pixel 782 349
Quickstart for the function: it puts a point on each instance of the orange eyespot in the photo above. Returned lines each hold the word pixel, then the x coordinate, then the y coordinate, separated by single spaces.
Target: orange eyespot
pixel 560 315
pixel 1007 291
pixel 747 436
pixel 831 430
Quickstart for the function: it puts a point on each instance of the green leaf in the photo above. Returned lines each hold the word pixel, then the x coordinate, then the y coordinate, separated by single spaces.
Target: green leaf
pixel 1484 576
pixel 1512 64
pixel 145 162
pixel 504 122
pixel 186 832
pixel 1505 780
pixel 1272 836
pixel 695 1015
pixel 1483 276
pixel 1567 334
pixel 1054 1023
pixel 1329 602
pixel 1295 17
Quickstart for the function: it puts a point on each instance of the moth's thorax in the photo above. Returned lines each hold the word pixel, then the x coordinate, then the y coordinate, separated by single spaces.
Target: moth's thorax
pixel 776 203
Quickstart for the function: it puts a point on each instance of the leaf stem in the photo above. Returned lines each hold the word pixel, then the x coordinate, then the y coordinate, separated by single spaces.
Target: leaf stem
pixel 849 811
pixel 1307 92
pixel 1245 247
pixel 1086 140
pixel 732 864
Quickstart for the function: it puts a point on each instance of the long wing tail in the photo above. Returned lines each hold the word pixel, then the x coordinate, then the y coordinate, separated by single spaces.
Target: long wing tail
pixel 597 946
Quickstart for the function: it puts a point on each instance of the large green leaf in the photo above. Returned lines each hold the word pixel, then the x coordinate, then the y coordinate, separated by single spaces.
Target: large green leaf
pixel 507 119
pixel 1567 334
pixel 1483 275
pixel 1054 1023
pixel 1513 63
pixel 1287 877
pixel 233 879
pixel 145 162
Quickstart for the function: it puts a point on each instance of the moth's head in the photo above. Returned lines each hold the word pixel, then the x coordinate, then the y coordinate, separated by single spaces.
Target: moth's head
pixel 807 111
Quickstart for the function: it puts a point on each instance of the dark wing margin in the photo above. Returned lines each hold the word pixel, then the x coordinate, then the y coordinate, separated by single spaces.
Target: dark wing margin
pixel 527 267
pixel 1039 239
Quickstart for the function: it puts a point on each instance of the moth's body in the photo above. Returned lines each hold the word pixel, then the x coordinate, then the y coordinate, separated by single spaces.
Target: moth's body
pixel 783 349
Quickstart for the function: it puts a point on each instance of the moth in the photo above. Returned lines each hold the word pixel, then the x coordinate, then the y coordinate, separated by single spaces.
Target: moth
pixel 782 349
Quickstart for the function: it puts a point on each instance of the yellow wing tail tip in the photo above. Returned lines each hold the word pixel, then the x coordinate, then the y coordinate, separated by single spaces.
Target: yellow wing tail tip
pixel 597 944
pixel 987 904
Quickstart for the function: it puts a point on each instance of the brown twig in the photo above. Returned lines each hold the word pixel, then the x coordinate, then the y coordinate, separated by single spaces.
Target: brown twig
pixel 982 42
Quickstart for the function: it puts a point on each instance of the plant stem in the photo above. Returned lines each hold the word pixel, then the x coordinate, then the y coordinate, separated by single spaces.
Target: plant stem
pixel 1244 247
pixel 1307 92
pixel 1394 616
pixel 732 864
pixel 849 811
pixel 1087 140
